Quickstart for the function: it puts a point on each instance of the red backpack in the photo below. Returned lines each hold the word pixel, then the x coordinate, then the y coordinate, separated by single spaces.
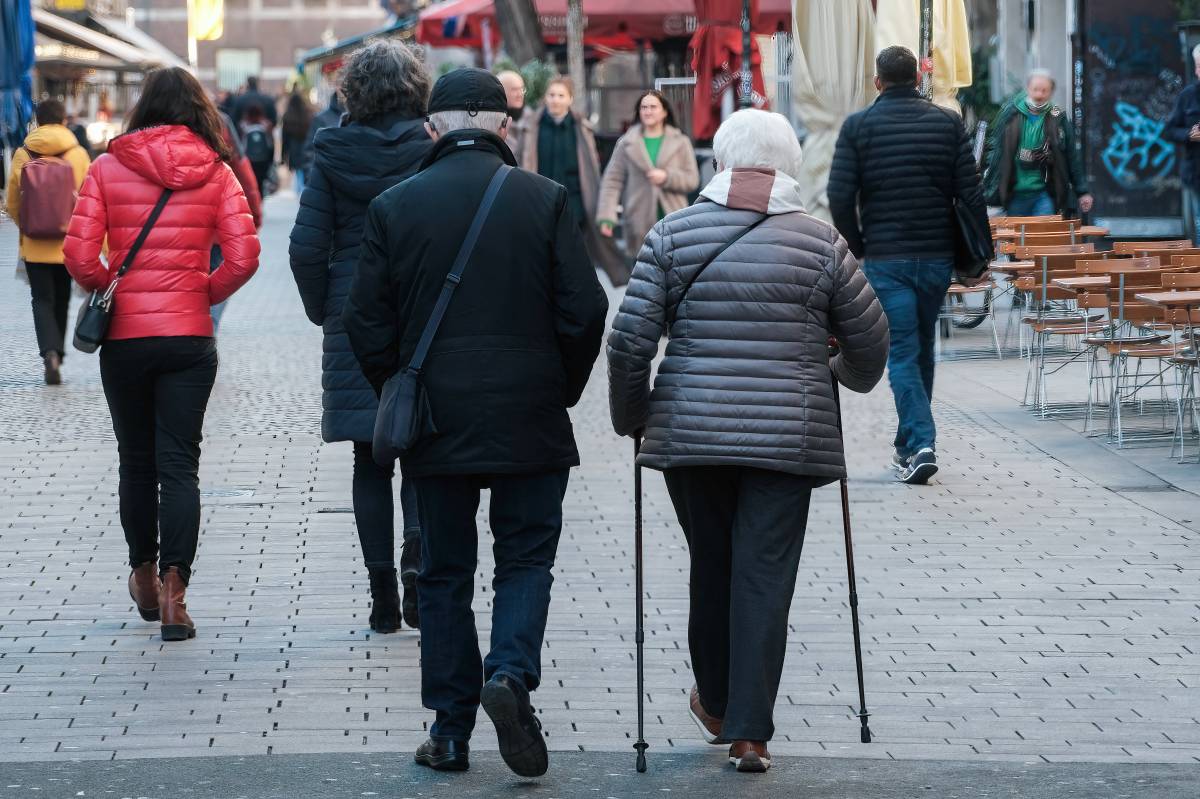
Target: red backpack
pixel 47 196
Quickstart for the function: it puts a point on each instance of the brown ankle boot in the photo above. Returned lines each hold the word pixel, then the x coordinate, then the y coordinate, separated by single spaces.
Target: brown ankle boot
pixel 144 588
pixel 176 623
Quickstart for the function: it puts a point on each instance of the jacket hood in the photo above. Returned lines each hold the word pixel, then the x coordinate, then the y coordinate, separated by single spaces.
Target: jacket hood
pixel 751 189
pixel 51 140
pixel 362 161
pixel 170 156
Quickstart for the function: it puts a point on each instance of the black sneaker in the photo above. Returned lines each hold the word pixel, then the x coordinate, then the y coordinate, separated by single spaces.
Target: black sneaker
pixel 920 468
pixel 444 755
pixel 517 728
pixel 410 564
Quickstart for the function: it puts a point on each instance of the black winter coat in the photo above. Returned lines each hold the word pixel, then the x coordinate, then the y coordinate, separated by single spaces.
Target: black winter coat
pixel 896 170
pixel 523 329
pixel 353 165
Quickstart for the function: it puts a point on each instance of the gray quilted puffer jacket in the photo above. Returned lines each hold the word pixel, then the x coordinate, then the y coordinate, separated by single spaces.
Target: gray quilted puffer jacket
pixel 747 376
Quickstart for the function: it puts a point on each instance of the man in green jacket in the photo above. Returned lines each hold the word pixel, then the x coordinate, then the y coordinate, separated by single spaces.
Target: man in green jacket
pixel 1033 166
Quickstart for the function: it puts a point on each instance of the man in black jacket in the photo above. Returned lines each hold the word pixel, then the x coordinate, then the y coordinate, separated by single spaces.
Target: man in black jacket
pixel 251 98
pixel 514 351
pixel 897 170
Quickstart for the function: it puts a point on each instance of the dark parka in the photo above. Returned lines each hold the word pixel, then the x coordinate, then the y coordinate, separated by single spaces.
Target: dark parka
pixel 1184 115
pixel 747 379
pixel 896 170
pixel 353 165
pixel 522 332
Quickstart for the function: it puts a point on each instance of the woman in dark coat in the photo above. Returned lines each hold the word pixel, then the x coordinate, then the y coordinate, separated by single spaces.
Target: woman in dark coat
pixel 297 119
pixel 381 142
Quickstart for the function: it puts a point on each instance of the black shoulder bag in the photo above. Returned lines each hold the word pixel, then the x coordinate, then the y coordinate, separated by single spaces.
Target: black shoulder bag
pixel 687 286
pixel 94 317
pixel 404 416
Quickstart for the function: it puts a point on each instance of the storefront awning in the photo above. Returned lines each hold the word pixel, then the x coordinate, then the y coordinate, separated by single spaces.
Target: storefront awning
pixel 128 57
pixel 139 38
pixel 52 52
pixel 611 23
pixel 333 52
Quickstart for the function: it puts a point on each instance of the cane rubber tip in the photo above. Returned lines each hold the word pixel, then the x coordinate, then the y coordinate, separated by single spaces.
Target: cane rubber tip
pixel 865 737
pixel 641 762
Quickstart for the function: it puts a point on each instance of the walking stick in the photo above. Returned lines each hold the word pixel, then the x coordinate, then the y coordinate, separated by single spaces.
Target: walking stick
pixel 863 715
pixel 639 634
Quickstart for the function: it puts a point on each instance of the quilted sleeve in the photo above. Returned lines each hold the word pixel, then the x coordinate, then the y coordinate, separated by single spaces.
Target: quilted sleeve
pixel 85 234
pixel 858 323
pixel 311 241
pixel 238 240
pixel 633 343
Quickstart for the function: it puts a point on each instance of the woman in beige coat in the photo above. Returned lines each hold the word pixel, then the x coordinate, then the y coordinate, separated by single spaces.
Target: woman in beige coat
pixel 558 143
pixel 650 174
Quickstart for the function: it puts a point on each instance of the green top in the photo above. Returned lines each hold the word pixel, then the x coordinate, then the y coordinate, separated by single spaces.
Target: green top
pixel 1030 179
pixel 653 145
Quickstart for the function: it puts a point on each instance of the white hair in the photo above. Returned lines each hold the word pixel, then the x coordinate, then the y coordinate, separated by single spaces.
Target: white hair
pixel 1196 53
pixel 1041 73
pixel 449 121
pixel 753 138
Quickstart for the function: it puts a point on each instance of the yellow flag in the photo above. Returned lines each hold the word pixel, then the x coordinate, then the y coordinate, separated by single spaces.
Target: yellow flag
pixel 206 19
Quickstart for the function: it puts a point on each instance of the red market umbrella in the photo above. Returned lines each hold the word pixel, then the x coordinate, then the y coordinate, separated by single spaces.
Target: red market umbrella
pixel 717 62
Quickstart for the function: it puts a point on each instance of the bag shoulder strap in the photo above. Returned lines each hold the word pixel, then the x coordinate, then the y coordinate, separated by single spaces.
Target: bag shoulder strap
pixel 141 239
pixel 687 286
pixel 456 271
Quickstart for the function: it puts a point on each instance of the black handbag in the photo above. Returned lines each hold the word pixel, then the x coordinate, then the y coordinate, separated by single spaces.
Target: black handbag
pixel 405 416
pixel 94 317
pixel 973 250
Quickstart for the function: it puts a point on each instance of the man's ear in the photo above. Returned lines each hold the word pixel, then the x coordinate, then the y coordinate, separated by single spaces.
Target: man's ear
pixel 431 130
pixel 503 132
pixel 878 84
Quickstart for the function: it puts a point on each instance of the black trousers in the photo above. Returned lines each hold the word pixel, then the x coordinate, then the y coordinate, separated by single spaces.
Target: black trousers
pixel 375 510
pixel 745 529
pixel 50 285
pixel 157 391
pixel 526 520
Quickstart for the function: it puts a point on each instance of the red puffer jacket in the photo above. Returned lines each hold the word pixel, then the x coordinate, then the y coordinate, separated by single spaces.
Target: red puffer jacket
pixel 168 290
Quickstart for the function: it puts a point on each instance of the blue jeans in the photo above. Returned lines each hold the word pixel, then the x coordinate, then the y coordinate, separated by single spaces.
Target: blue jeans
pixel 298 177
pixel 911 291
pixel 1033 204
pixel 526 520
pixel 1194 198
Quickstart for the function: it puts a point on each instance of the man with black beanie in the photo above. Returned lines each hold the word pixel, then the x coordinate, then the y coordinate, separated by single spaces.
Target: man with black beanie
pixel 513 352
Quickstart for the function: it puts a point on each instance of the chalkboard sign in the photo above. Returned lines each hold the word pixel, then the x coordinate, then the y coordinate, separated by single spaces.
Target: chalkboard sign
pixel 1132 72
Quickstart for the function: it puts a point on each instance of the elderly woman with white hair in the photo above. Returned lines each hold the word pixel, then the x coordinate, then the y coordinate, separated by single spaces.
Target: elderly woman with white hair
pixel 742 418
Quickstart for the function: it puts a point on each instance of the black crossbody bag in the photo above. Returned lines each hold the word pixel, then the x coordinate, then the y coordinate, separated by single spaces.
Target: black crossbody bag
pixel 96 314
pixel 405 416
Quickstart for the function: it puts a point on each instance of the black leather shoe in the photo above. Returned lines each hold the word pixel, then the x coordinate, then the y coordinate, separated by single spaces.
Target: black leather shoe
pixel 517 728
pixel 444 755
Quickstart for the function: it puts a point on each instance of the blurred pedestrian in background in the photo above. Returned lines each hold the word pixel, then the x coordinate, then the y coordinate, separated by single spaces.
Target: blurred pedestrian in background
pixel 558 143
pixel 1034 168
pixel 57 166
pixel 742 418
pixel 385 87
pixel 159 360
pixel 898 168
pixel 514 91
pixel 252 98
pixel 244 171
pixel 331 117
pixel 258 142
pixel 297 120
pixel 1183 128
pixel 651 173
pixel 513 353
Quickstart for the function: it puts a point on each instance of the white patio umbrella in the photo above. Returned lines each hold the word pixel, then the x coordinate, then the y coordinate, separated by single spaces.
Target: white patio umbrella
pixel 833 69
pixel 898 22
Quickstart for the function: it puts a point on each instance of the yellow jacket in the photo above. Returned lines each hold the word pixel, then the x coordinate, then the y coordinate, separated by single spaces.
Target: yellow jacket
pixel 45 140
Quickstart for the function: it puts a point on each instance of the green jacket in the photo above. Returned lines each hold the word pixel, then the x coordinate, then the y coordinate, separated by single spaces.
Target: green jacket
pixel 1066 179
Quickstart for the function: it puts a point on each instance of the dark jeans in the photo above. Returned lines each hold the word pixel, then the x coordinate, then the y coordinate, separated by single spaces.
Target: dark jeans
pixel 157 391
pixel 375 509
pixel 911 291
pixel 1033 204
pixel 262 170
pixel 50 285
pixel 745 529
pixel 526 519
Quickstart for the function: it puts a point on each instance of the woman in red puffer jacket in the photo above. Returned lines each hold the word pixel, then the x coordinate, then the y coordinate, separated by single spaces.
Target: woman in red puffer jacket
pixel 159 360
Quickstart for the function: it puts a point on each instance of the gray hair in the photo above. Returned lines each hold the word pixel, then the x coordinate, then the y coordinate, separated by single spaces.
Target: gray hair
pixel 449 121
pixel 753 138
pixel 385 77
pixel 1196 53
pixel 1041 73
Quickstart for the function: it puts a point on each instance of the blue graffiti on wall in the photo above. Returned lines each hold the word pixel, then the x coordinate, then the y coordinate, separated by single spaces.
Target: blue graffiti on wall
pixel 1137 155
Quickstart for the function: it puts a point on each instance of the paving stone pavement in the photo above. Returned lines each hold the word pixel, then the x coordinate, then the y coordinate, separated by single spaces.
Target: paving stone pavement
pixel 1021 608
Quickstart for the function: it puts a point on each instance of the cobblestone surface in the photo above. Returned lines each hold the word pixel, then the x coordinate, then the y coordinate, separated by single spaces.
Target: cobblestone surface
pixel 1021 608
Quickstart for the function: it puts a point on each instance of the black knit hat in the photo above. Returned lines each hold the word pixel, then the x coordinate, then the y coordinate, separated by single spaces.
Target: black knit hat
pixel 468 89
